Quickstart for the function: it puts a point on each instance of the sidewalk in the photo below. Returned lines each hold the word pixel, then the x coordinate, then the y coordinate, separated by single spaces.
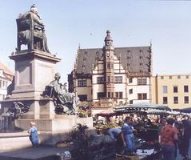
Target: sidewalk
pixel 39 153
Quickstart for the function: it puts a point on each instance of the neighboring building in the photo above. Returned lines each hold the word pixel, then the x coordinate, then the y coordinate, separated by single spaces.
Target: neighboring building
pixel 121 74
pixel 6 77
pixel 172 90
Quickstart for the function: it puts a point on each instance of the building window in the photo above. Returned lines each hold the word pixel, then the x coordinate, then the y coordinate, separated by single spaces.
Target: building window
pixel 119 95
pixel 162 77
pixel 83 97
pixel 186 99
pixel 165 100
pixel 3 84
pixel 100 80
pixel 118 79
pixel 165 89
pixel 109 66
pixel 142 96
pixel 175 100
pixel 108 79
pixel 186 90
pixel 131 91
pixel 175 89
pixel 130 80
pixel 179 77
pixel 187 77
pixel 131 101
pixel 82 83
pixel 116 94
pixel 110 94
pixel 141 81
pixel 100 95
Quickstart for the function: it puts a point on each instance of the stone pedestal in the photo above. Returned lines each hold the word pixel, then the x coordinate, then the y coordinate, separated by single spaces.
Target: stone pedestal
pixel 33 71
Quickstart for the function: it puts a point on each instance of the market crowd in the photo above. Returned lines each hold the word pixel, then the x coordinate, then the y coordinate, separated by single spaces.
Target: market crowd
pixel 170 133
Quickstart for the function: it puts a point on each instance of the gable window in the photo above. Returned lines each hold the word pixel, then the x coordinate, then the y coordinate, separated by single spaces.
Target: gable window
pixel 109 66
pixel 100 80
pixel 119 95
pixel 142 96
pixel 118 79
pixel 110 94
pixel 100 95
pixel 82 83
pixel 141 81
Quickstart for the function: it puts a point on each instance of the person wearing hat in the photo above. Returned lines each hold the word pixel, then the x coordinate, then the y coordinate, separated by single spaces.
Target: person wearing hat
pixel 33 134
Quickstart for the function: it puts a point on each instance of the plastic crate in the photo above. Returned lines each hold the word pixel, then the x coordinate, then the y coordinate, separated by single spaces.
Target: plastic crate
pixel 126 157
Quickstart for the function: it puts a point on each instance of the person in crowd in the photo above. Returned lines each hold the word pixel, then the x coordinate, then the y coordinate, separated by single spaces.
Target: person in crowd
pixel 116 135
pixel 167 138
pixel 33 135
pixel 185 138
pixel 128 136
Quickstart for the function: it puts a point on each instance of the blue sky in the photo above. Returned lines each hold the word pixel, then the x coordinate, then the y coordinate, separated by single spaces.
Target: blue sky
pixel 70 23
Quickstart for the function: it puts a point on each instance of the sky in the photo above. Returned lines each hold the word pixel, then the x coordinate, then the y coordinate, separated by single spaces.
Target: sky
pixel 164 24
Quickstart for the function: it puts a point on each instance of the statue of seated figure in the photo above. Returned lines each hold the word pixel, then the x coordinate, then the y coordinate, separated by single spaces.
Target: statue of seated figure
pixel 64 101
pixel 31 31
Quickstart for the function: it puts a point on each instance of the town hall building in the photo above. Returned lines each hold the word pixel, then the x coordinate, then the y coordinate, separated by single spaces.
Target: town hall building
pixel 122 74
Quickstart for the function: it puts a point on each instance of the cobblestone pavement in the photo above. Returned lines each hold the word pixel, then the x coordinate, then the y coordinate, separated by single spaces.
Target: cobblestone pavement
pixel 39 153
pixel 43 153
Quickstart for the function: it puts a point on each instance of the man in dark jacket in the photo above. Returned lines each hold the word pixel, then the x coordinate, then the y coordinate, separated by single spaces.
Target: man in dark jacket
pixel 185 138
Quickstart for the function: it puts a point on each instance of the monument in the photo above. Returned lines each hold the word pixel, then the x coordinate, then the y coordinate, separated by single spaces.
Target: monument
pixel 29 99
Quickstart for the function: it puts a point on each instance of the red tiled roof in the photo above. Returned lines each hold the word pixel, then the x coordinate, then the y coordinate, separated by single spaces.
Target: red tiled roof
pixel 5 69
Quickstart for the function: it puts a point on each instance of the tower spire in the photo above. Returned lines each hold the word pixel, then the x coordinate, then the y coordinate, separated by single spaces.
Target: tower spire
pixel 108 39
